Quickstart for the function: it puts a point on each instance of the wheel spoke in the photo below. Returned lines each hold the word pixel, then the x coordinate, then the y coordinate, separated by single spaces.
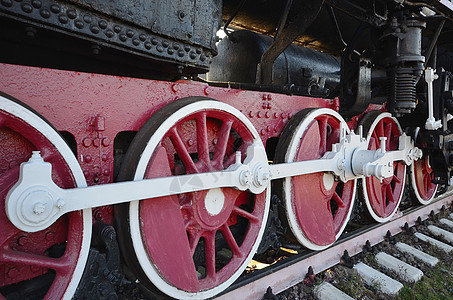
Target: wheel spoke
pixel 232 158
pixel 202 141
pixel 334 138
pixel 222 143
pixel 396 179
pixel 194 238
pixel 12 256
pixel 374 139
pixel 338 200
pixel 228 235
pixel 389 192
pixel 427 167
pixel 388 135
pixel 182 151
pixel 382 201
pixel 380 129
pixel 427 181
pixel 323 134
pixel 210 255
pixel 246 215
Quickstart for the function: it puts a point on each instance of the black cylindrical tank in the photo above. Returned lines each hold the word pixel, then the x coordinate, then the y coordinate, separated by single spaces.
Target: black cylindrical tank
pixel 239 56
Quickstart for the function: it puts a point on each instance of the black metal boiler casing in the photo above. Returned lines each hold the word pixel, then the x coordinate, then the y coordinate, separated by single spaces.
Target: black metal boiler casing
pixel 157 30
pixel 238 59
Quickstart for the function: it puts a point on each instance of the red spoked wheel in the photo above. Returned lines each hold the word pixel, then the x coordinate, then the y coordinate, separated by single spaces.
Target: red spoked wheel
pixel 191 245
pixel 49 263
pixel 421 179
pixel 383 198
pixel 318 206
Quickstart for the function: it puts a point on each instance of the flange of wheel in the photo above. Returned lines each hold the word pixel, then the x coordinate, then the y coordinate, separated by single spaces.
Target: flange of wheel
pixel 46 264
pixel 318 206
pixel 421 175
pixel 383 198
pixel 191 245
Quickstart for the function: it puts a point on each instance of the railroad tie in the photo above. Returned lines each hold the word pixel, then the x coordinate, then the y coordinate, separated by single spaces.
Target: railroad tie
pixel 419 255
pixel 444 247
pixel 326 291
pixel 447 235
pixel 404 271
pixel 446 222
pixel 378 280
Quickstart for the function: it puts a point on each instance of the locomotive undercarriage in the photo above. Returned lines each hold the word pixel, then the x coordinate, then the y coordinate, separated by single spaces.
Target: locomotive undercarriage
pixel 182 172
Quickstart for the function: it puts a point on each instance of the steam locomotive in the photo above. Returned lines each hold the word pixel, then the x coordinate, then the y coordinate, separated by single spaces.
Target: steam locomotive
pixel 137 145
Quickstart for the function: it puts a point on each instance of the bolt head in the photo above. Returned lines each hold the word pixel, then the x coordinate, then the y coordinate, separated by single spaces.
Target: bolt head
pixel 60 203
pixel 39 208
pixel 245 177
pixel 12 273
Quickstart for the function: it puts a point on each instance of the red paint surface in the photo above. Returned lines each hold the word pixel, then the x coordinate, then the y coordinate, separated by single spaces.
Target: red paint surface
pixel 95 108
pixel 27 255
pixel 384 196
pixel 72 101
pixel 311 200
pixel 423 176
pixel 212 135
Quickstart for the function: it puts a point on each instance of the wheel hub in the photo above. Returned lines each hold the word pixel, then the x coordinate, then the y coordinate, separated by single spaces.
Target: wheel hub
pixel 214 201
pixel 328 180
pixel 211 210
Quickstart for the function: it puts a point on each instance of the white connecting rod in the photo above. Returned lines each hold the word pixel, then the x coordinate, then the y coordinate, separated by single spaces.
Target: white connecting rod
pixel 35 201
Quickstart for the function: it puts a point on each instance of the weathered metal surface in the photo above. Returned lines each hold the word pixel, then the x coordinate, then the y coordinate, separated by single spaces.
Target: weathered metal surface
pixel 61 246
pixel 239 59
pixel 95 108
pixel 158 30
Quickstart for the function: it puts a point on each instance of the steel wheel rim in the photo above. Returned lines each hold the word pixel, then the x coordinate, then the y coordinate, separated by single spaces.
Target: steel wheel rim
pixel 149 267
pixel 308 234
pixel 421 176
pixel 22 124
pixel 382 210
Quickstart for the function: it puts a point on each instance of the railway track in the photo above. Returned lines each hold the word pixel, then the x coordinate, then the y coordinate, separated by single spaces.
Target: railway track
pixel 293 270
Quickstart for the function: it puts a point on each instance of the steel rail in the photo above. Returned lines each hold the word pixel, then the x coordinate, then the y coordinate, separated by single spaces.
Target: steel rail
pixel 292 271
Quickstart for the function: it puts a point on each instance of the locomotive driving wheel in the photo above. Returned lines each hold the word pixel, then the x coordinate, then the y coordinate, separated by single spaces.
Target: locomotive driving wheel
pixel 190 245
pixel 383 198
pixel 49 263
pixel 421 175
pixel 318 206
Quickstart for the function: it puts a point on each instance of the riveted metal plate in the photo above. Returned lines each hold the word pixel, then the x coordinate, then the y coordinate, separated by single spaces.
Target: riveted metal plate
pixel 157 29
